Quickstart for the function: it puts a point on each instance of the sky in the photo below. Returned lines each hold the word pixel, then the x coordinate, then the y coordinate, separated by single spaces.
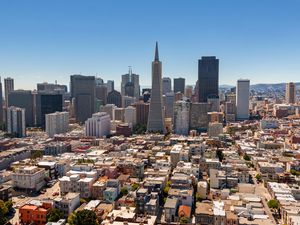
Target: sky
pixel 50 40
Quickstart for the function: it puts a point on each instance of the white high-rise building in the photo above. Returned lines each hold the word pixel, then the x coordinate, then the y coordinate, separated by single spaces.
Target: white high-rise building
pixel 98 125
pixel 16 121
pixel 242 99
pixel 181 117
pixel 57 123
pixel 130 115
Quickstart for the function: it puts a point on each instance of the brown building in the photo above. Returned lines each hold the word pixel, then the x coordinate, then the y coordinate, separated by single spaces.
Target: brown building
pixel 142 111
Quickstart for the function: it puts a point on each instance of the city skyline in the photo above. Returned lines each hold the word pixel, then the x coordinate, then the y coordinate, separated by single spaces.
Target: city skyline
pixel 49 41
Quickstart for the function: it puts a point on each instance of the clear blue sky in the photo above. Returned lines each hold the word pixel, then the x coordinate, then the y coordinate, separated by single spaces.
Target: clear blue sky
pixel 49 40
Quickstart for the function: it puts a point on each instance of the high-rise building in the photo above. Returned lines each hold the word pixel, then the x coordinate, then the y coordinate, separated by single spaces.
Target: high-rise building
pixel 290 93
pixel 166 85
pixel 114 97
pixel 208 78
pixel 181 117
pixel 215 102
pixel 8 86
pixel 130 85
pixel 110 86
pixel 169 104
pixel 83 91
pixel 189 91
pixel 1 103
pixel 23 99
pixel 16 121
pixel 101 93
pixel 98 125
pixel 242 99
pixel 51 87
pixel 198 117
pixel 47 102
pixel 130 116
pixel 127 101
pixel 179 85
pixel 142 111
pixel 57 123
pixel 156 121
pixel 110 110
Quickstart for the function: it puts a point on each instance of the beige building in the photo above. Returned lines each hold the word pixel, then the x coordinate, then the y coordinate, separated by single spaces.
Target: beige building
pixel 29 177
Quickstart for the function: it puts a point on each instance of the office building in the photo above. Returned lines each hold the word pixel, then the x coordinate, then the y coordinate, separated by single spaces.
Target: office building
pixel 46 103
pixel 83 93
pixel 8 87
pixel 179 85
pixel 101 93
pixel 57 123
pixel 128 101
pixel 156 121
pixel 109 109
pixel 208 78
pixel 23 99
pixel 52 87
pixel 290 93
pixel 215 103
pixel 114 97
pixel 119 114
pixel 181 117
pixel 1 103
pixel 130 85
pixel 169 99
pixel 98 125
pixel 110 86
pixel 16 121
pixel 198 117
pixel 189 91
pixel 130 116
pixel 166 85
pixel 142 111
pixel 242 99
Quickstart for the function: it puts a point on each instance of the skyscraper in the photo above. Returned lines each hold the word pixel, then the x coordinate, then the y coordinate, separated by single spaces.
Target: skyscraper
pixel 8 86
pixel 1 103
pixel 156 121
pixel 290 93
pixel 181 117
pixel 16 121
pixel 57 123
pixel 208 78
pixel 166 85
pixel 179 85
pixel 23 99
pixel 83 91
pixel 130 85
pixel 47 102
pixel 242 99
pixel 114 97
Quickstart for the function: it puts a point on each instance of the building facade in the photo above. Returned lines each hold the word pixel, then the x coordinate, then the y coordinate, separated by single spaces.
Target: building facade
pixel 16 121
pixel 242 99
pixel 57 123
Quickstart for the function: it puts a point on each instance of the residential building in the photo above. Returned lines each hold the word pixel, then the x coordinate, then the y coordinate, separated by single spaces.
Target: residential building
pixel 98 125
pixel 16 121
pixel 57 123
pixel 67 203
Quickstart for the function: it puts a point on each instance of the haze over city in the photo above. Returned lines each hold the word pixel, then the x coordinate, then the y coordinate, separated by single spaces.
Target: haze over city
pixel 47 41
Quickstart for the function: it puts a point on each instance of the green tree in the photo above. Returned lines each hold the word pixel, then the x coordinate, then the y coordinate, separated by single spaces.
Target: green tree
pixel 3 213
pixel 184 220
pixel 8 205
pixel 273 204
pixel 258 177
pixel 135 186
pixel 55 215
pixel 36 154
pixel 84 217
pixel 247 157
pixel 124 191
pixel 295 172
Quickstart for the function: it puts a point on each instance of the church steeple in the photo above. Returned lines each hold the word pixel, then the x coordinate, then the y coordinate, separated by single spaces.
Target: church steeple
pixel 156 58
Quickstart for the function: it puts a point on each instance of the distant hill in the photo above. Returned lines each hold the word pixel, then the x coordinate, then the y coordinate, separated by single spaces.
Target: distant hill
pixel 278 86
